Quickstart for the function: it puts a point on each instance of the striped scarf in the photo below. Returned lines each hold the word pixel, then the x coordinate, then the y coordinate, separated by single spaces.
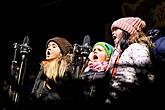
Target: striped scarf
pixel 97 66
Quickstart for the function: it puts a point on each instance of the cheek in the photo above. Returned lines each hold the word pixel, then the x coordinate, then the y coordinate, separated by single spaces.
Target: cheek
pixel 102 56
pixel 118 38
pixel 56 52
pixel 119 35
pixel 90 56
pixel 55 55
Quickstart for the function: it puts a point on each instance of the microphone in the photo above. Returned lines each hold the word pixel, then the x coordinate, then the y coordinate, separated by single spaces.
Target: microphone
pixel 26 40
pixel 81 53
pixel 86 48
pixel 25 48
pixel 86 40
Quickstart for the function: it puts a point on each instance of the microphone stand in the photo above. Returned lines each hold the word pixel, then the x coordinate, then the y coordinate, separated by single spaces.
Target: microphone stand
pixel 24 50
pixel 20 78
pixel 20 72
pixel 81 53
pixel 80 56
pixel 77 65
pixel 14 72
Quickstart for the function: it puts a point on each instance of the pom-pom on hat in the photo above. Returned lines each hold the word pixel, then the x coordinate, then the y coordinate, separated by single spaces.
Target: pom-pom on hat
pixel 107 47
pixel 63 44
pixel 129 24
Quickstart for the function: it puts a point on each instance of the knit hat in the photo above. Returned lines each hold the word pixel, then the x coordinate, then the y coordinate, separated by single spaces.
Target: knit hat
pixel 63 44
pixel 129 24
pixel 107 47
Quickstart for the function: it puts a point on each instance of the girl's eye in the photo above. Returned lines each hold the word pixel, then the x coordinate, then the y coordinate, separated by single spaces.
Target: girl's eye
pixel 99 49
pixel 54 46
pixel 94 50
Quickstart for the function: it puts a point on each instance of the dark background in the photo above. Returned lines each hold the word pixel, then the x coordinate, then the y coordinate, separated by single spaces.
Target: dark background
pixel 72 19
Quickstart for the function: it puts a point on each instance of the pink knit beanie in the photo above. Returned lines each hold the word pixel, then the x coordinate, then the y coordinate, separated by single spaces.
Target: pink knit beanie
pixel 129 24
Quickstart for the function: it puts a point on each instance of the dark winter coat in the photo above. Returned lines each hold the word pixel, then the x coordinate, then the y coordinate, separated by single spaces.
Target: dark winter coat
pixel 60 93
pixel 93 87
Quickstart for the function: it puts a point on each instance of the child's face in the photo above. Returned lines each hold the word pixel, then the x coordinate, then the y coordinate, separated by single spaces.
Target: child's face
pixel 117 35
pixel 52 51
pixel 98 54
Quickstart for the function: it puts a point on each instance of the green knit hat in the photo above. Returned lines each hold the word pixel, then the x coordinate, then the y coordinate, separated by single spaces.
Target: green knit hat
pixel 107 47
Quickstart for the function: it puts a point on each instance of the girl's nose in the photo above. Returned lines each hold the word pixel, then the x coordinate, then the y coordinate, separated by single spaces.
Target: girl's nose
pixel 48 48
pixel 95 51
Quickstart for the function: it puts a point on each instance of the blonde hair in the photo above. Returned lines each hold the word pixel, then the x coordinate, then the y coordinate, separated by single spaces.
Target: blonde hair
pixel 56 67
pixel 140 37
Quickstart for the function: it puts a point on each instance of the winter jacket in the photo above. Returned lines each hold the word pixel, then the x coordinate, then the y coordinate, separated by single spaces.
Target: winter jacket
pixel 61 91
pixel 93 88
pixel 132 73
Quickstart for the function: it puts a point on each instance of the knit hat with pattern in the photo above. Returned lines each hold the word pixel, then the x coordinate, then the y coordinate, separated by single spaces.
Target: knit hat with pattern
pixel 63 44
pixel 129 24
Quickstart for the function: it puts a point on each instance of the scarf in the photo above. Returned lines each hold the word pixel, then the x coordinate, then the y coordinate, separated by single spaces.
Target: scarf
pixel 97 66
